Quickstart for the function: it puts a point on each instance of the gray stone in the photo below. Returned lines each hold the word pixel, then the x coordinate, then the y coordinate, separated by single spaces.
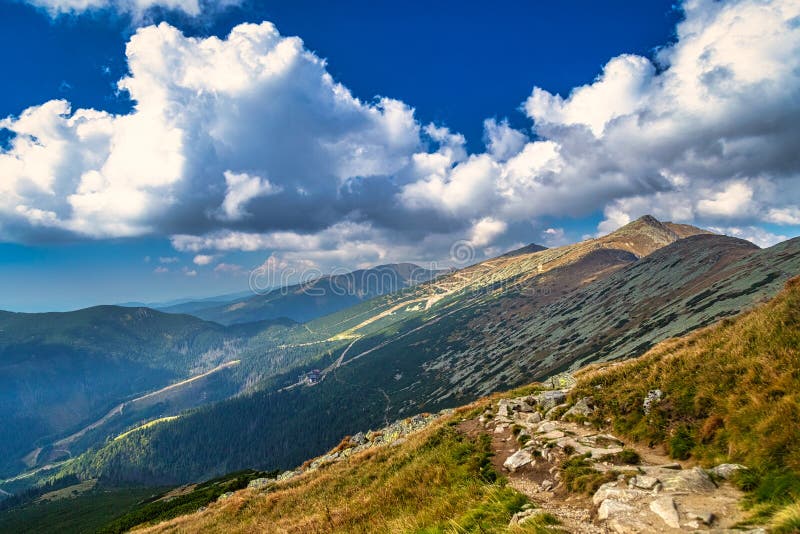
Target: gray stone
pixel 551 413
pixel 531 418
pixel 664 507
pixel 644 482
pixel 547 485
pixel 518 460
pixel 693 480
pixel 726 471
pixel 610 508
pixel 611 490
pixel 583 408
pixel 707 518
pixel 259 483
pixel 225 496
pixel 550 399
pixel 547 426
pixel 358 439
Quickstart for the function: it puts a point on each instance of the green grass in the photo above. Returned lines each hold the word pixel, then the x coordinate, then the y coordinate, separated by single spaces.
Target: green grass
pixel 580 477
pixel 440 480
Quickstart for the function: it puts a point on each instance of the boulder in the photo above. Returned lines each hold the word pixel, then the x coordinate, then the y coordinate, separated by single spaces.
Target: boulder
pixel 547 426
pixel 550 399
pixel 611 491
pixel 693 480
pixel 225 496
pixel 531 418
pixel 583 408
pixel 518 460
pixel 610 508
pixel 664 507
pixel 547 485
pixel 726 471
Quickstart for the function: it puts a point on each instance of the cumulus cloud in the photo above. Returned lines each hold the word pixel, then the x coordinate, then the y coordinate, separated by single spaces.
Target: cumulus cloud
pixel 247 143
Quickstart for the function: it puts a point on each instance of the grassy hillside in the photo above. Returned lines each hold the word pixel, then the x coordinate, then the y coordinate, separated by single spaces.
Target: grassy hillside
pixel 439 480
pixel 731 393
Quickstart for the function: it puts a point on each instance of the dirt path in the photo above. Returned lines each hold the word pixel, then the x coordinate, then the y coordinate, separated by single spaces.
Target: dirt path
pixel 656 495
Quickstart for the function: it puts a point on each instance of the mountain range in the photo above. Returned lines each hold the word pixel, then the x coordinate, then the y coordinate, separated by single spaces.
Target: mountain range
pixel 497 324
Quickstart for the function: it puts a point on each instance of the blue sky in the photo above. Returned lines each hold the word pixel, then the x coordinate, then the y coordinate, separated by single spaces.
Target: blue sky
pixel 91 219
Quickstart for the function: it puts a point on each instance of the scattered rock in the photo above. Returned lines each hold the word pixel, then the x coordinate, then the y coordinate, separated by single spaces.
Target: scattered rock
pixel 664 507
pixel 652 398
pixel 225 496
pixel 726 471
pixel 546 485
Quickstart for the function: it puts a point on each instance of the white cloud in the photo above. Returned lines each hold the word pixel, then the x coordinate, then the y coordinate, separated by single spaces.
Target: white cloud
pixel 485 231
pixel 733 200
pixel 788 215
pixel 242 188
pixel 189 272
pixel 203 259
pixel 255 100
pixel 168 259
pixel 161 270
pixel 247 143
pixel 620 90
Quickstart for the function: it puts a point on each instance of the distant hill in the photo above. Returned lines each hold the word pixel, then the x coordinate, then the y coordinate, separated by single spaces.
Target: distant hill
pixel 316 298
pixel 182 305
pixel 58 370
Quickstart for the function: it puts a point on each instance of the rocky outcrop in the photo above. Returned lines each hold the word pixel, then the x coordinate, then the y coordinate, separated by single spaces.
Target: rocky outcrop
pixel 644 498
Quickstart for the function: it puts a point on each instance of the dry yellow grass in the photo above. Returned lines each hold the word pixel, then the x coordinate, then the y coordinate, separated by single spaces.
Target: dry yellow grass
pixel 439 480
